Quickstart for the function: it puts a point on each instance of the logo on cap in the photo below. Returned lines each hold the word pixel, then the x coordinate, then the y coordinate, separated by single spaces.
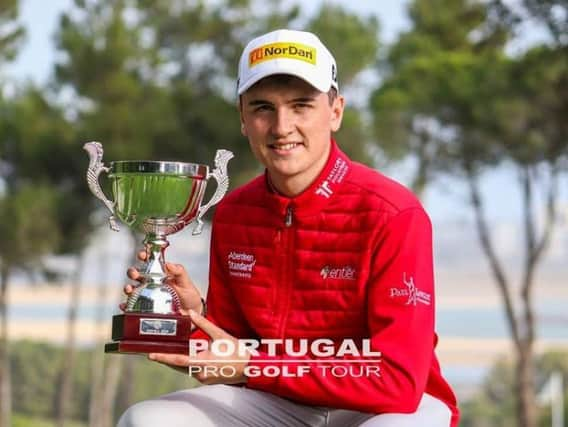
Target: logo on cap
pixel 282 50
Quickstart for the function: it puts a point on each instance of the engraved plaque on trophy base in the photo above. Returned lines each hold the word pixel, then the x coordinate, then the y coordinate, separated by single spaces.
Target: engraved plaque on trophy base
pixel 134 332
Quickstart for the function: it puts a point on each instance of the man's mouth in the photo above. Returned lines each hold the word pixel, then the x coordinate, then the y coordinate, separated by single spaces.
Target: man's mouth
pixel 285 147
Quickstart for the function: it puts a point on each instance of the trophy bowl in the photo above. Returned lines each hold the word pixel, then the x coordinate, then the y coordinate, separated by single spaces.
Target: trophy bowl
pixel 156 198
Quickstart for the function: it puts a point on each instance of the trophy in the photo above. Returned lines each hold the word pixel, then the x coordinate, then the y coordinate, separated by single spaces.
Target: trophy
pixel 157 198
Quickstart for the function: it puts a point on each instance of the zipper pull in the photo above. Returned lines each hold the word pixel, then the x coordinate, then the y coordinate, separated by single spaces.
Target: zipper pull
pixel 288 219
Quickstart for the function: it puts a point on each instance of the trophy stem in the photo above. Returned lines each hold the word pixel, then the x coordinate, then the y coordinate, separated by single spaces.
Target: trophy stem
pixel 154 295
pixel 155 272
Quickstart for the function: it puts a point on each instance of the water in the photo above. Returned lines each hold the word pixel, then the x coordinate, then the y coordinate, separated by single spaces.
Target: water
pixel 491 322
pixel 459 322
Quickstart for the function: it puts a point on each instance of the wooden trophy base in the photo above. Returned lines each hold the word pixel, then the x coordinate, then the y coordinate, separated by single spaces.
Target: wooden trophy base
pixel 149 333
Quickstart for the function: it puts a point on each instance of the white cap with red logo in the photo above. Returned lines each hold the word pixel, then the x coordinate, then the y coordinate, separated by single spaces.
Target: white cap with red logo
pixel 297 53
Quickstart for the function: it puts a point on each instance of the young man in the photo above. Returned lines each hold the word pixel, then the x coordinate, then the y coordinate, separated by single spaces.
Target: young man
pixel 317 250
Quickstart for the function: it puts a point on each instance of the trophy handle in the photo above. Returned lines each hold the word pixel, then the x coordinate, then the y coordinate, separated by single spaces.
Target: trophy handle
pixel 96 166
pixel 222 158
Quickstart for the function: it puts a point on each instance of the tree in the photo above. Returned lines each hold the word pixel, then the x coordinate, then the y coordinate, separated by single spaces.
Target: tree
pixel 200 43
pixel 415 69
pixel 25 238
pixel 104 64
pixel 494 403
pixel 41 148
pixel 355 45
pixel 11 35
pixel 479 108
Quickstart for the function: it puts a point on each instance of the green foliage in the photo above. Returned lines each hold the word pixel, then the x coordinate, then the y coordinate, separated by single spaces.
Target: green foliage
pixel 533 125
pixel 354 42
pixel 352 39
pixel 433 103
pixel 353 136
pixel 161 86
pixel 494 404
pixel 35 371
pixel 19 420
pixel 453 99
pixel 27 226
pixel 11 34
pixel 105 63
pixel 37 145
pixel 153 379
pixel 549 15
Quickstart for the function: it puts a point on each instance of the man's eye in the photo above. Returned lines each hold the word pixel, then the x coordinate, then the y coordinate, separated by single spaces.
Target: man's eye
pixel 302 105
pixel 260 108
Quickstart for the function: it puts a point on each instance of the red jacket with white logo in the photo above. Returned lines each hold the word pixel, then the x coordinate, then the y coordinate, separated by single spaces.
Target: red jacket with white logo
pixel 351 257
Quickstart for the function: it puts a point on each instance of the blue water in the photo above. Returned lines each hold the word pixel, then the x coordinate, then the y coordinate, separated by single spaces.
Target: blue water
pixel 58 312
pixel 462 322
pixel 552 322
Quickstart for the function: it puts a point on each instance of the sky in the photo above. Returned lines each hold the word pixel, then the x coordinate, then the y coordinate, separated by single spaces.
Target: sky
pixel 444 201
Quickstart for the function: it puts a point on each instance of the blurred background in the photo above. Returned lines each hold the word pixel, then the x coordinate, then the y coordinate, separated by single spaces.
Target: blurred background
pixel 464 101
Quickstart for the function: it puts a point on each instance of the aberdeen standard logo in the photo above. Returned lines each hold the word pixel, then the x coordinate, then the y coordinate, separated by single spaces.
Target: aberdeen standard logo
pixel 241 264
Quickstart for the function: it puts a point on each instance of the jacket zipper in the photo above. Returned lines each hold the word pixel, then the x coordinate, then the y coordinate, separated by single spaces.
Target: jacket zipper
pixel 288 272
pixel 288 219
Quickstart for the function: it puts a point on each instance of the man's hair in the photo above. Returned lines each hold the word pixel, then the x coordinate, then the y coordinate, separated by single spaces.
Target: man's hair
pixel 285 79
pixel 332 95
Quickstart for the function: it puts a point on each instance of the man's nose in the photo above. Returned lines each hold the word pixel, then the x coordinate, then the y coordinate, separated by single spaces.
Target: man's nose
pixel 283 123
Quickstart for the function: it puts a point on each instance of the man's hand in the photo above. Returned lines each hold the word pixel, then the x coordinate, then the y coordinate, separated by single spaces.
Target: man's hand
pixel 178 279
pixel 206 366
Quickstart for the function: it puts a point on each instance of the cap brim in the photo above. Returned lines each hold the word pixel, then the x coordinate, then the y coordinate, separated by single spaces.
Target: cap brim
pixel 292 71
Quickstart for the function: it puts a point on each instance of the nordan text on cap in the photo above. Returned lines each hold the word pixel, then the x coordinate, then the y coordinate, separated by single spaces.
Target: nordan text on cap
pixel 297 53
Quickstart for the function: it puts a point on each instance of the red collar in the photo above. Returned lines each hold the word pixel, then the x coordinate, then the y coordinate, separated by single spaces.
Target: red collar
pixel 320 192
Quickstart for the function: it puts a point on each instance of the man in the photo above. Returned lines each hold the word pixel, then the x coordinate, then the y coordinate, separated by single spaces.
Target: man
pixel 319 249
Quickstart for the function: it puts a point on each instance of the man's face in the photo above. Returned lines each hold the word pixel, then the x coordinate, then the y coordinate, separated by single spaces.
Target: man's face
pixel 289 127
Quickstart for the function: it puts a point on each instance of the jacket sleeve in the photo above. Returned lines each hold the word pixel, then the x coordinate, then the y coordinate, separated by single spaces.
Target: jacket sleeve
pixel 400 316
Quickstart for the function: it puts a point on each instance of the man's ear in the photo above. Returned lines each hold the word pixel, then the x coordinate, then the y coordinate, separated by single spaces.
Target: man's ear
pixel 241 118
pixel 337 113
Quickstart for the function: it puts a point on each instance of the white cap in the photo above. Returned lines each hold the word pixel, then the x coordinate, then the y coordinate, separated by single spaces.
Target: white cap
pixel 297 53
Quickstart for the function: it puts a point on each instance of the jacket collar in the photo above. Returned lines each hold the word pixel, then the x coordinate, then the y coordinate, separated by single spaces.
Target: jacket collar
pixel 319 193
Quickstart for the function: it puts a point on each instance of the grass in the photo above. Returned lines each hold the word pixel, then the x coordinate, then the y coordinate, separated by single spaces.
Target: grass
pixel 20 420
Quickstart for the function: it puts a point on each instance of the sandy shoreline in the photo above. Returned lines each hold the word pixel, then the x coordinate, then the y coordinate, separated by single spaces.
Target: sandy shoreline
pixel 467 295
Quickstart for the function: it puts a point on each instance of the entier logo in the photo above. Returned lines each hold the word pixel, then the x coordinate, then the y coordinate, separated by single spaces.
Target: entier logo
pixel 346 273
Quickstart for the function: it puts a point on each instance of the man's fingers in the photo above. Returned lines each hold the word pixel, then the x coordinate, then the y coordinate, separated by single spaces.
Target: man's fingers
pixel 205 325
pixel 170 359
pixel 176 270
pixel 128 288
pixel 134 274
pixel 178 277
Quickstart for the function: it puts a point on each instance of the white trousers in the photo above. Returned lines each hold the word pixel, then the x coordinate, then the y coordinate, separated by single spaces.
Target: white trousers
pixel 227 406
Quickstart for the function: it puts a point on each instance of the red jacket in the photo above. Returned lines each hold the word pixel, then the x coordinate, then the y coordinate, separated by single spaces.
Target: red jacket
pixel 351 257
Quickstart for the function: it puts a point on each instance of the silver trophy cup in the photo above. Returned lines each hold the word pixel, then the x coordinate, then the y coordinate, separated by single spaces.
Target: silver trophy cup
pixel 157 198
